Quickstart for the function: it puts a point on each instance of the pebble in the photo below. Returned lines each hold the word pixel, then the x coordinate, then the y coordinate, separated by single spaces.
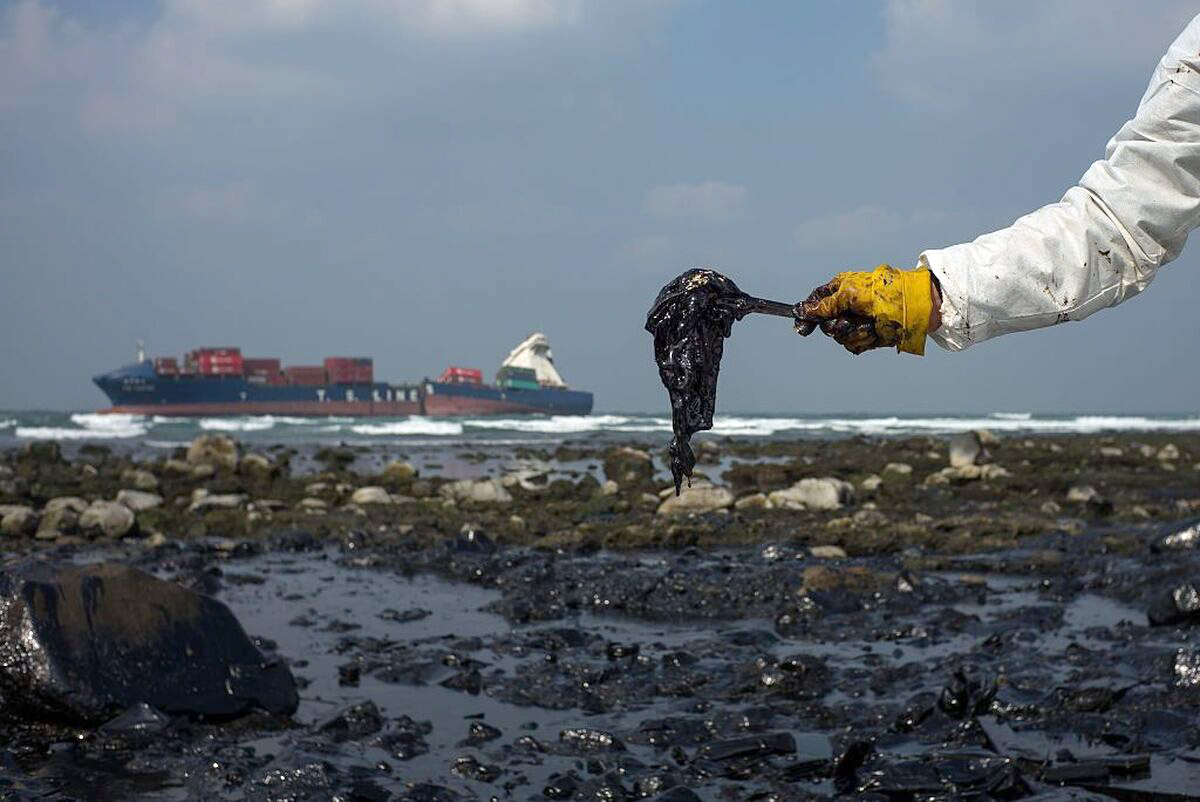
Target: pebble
pixel 826 493
pixel 107 518
pixel 699 498
pixel 138 500
pixel 371 495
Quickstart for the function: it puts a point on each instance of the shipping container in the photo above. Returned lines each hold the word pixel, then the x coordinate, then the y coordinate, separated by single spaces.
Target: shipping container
pixel 261 364
pixel 306 375
pixel 350 370
pixel 166 365
pixel 518 384
pixel 456 375
pixel 522 374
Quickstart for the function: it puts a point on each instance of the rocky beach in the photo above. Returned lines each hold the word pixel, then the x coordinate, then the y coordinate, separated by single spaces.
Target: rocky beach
pixel 970 616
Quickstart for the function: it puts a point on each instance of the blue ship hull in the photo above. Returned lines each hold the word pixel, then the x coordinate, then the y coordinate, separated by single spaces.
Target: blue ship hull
pixel 138 389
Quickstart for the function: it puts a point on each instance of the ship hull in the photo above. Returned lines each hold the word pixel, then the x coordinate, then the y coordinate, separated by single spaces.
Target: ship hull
pixel 138 390
pixel 467 399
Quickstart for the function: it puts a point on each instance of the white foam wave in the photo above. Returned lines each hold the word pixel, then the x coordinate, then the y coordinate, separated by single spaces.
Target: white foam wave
pixel 91 426
pixel 556 424
pixel 424 426
pixel 256 423
pixel 7 422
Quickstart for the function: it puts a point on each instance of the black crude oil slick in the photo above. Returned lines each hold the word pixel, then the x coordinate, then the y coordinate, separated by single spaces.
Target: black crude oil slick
pixel 690 319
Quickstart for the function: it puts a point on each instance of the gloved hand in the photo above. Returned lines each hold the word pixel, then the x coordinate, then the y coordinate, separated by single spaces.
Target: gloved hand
pixel 871 309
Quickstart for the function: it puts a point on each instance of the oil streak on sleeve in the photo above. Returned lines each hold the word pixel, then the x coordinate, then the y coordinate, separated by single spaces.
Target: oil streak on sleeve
pixel 1103 242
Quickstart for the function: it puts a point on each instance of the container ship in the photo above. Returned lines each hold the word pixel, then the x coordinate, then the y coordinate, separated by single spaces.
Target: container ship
pixel 221 381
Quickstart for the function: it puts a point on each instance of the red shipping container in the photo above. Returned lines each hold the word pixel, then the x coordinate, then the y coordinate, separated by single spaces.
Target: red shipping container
pixel 349 370
pixel 261 365
pixel 166 365
pixel 307 375
pixel 454 375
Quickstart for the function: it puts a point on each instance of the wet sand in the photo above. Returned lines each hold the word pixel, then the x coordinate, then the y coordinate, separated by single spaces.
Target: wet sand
pixel 979 634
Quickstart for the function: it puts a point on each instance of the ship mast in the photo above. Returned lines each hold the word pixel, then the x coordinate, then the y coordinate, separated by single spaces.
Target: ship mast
pixel 141 351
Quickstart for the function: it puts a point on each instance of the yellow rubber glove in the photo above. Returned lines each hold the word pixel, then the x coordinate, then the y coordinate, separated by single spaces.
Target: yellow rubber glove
pixel 870 309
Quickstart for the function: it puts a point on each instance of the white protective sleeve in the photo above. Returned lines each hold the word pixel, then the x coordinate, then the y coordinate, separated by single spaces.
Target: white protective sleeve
pixel 1102 243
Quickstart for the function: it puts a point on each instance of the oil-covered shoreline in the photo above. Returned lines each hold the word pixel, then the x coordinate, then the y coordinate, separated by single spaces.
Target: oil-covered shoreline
pixel 870 617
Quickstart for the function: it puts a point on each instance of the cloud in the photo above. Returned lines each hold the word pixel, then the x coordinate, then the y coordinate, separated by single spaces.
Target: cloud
pixel 123 78
pixel 951 55
pixel 138 77
pixel 863 224
pixel 433 18
pixel 708 201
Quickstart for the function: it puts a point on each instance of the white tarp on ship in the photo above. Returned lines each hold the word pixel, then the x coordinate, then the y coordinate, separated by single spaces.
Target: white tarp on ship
pixel 534 352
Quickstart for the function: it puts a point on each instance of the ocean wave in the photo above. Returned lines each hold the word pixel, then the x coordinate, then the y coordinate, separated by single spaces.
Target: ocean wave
pixel 556 424
pixel 424 426
pixel 5 423
pixel 89 426
pixel 252 423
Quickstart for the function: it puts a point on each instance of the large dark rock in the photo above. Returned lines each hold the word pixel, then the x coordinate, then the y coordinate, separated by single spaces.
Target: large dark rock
pixel 87 642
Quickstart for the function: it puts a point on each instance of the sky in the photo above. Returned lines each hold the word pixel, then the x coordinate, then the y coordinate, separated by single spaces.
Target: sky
pixel 428 181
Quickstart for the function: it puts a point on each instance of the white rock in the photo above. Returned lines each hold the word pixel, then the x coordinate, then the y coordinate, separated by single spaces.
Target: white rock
pixel 315 488
pixel 609 488
pixel 524 478
pixel 107 517
pixel 217 501
pixel 140 479
pixel 1111 452
pixel 966 473
pixel 1051 508
pixel 899 468
pixel 965 449
pixel 755 501
pixel 700 497
pixel 477 491
pixel 986 438
pixel 828 552
pixel 826 493
pixel 73 503
pixel 872 482
pixel 371 495
pixel 628 465
pixel 268 504
pixel 1168 452
pixel 1081 494
pixel 203 471
pixel 17 520
pixel 312 505
pixel 399 471
pixel 139 500
pixel 869 517
pixel 1147 451
pixel 255 465
pixel 57 521
pixel 217 450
